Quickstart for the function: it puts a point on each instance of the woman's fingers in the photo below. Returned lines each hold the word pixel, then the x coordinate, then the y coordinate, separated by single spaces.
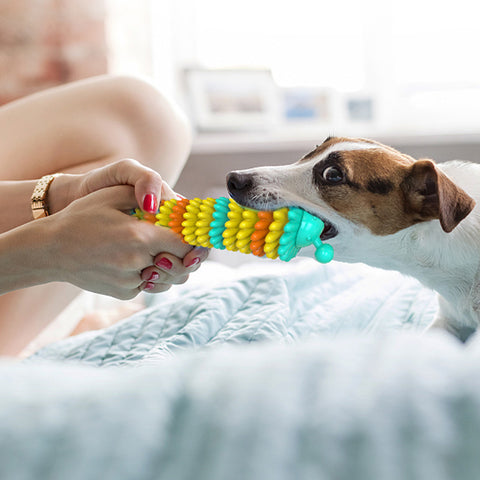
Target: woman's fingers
pixel 156 275
pixel 166 268
pixel 195 257
pixel 170 270
pixel 147 183
pixel 150 287
pixel 167 192
pixel 120 197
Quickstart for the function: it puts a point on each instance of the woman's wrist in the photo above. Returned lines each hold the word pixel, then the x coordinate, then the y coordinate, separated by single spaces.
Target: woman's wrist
pixel 27 256
pixel 63 191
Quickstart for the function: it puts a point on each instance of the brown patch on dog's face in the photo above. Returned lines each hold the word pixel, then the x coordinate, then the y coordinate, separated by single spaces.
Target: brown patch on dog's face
pixel 370 190
pixel 385 190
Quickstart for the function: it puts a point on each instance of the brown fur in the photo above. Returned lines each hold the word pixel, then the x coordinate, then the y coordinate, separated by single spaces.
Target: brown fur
pixel 388 191
pixel 431 194
pixel 333 140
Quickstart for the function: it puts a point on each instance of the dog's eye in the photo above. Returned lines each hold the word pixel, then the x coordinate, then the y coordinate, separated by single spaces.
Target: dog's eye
pixel 333 175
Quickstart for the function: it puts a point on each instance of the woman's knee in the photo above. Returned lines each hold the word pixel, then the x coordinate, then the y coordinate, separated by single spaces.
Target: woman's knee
pixel 158 130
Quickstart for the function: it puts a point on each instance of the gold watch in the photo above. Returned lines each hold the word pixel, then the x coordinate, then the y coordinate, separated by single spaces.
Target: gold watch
pixel 39 200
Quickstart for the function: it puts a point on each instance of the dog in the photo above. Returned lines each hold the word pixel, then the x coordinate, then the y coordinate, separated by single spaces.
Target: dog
pixel 388 210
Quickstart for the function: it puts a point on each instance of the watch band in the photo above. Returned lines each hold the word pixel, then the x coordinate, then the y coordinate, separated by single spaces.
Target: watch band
pixel 39 200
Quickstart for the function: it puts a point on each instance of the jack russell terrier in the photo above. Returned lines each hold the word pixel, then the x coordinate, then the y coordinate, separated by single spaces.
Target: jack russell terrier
pixel 388 210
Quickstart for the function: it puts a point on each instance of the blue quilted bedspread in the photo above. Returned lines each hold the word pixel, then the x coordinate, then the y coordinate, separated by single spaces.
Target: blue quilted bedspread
pixel 294 373
pixel 303 301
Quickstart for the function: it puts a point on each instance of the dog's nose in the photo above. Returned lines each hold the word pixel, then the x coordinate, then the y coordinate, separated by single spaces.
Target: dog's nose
pixel 239 182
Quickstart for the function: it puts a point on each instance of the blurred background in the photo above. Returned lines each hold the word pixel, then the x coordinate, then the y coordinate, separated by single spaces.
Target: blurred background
pixel 264 81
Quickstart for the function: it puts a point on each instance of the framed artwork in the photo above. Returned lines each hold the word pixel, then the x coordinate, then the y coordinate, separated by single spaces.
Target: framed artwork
pixel 359 109
pixel 232 100
pixel 307 106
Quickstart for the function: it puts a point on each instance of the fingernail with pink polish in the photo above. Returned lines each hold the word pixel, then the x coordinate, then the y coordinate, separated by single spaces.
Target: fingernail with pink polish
pixel 164 263
pixel 150 203
pixel 154 276
pixel 193 262
pixel 149 286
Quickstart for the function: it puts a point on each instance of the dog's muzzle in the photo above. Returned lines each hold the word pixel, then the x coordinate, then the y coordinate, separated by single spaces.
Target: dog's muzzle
pixel 239 185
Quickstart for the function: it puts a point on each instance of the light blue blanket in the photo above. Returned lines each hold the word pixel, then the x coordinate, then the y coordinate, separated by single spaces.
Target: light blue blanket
pixel 332 388
pixel 308 300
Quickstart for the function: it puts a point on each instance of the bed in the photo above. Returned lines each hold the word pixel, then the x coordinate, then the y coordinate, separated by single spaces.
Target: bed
pixel 268 371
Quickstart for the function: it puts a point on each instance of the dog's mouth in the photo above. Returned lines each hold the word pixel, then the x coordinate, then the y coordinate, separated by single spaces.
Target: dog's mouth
pixel 330 231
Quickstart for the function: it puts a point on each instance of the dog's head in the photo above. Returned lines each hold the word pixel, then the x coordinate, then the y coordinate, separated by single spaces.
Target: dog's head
pixel 348 181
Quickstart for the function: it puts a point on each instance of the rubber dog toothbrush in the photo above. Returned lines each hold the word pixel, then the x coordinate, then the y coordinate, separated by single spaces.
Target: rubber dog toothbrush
pixel 222 223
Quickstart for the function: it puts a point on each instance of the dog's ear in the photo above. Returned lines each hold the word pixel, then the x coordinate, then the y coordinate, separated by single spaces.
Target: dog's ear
pixel 431 194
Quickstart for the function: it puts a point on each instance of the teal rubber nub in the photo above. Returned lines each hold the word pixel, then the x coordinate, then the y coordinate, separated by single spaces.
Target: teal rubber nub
pixel 217 226
pixel 302 230
pixel 324 253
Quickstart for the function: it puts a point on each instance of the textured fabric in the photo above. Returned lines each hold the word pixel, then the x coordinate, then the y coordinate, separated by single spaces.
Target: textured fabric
pixel 375 407
pixel 304 372
pixel 305 300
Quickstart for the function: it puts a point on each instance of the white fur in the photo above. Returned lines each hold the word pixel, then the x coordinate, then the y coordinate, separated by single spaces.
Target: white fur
pixel 346 146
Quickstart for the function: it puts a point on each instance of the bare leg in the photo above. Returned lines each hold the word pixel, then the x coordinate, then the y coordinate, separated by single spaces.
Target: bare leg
pixel 73 129
pixel 87 124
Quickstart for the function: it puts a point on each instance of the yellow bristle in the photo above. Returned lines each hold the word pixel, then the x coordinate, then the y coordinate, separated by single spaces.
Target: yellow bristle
pixel 204 241
pixel 205 217
pixel 246 228
pixel 275 232
pixel 243 243
pixel 232 226
pixel 163 216
pixel 229 243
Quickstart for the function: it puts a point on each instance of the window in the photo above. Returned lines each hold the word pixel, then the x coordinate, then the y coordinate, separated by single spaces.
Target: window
pixel 416 58
pixel 308 43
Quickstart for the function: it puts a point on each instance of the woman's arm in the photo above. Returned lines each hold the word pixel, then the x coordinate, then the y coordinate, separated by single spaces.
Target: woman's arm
pixel 15 195
pixel 26 254
pixel 15 201
pixel 106 236
pixel 92 244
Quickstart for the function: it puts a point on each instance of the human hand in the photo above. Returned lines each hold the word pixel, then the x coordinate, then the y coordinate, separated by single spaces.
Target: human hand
pixel 168 269
pixel 98 247
pixel 148 184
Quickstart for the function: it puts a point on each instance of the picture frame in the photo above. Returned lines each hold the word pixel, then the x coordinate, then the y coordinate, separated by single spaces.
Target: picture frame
pixel 232 100
pixel 359 109
pixel 308 106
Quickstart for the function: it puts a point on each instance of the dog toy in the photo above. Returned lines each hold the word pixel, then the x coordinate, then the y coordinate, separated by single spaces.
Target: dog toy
pixel 222 223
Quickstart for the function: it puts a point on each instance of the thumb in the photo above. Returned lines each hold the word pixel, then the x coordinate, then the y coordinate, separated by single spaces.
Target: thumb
pixel 167 192
pixel 147 182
